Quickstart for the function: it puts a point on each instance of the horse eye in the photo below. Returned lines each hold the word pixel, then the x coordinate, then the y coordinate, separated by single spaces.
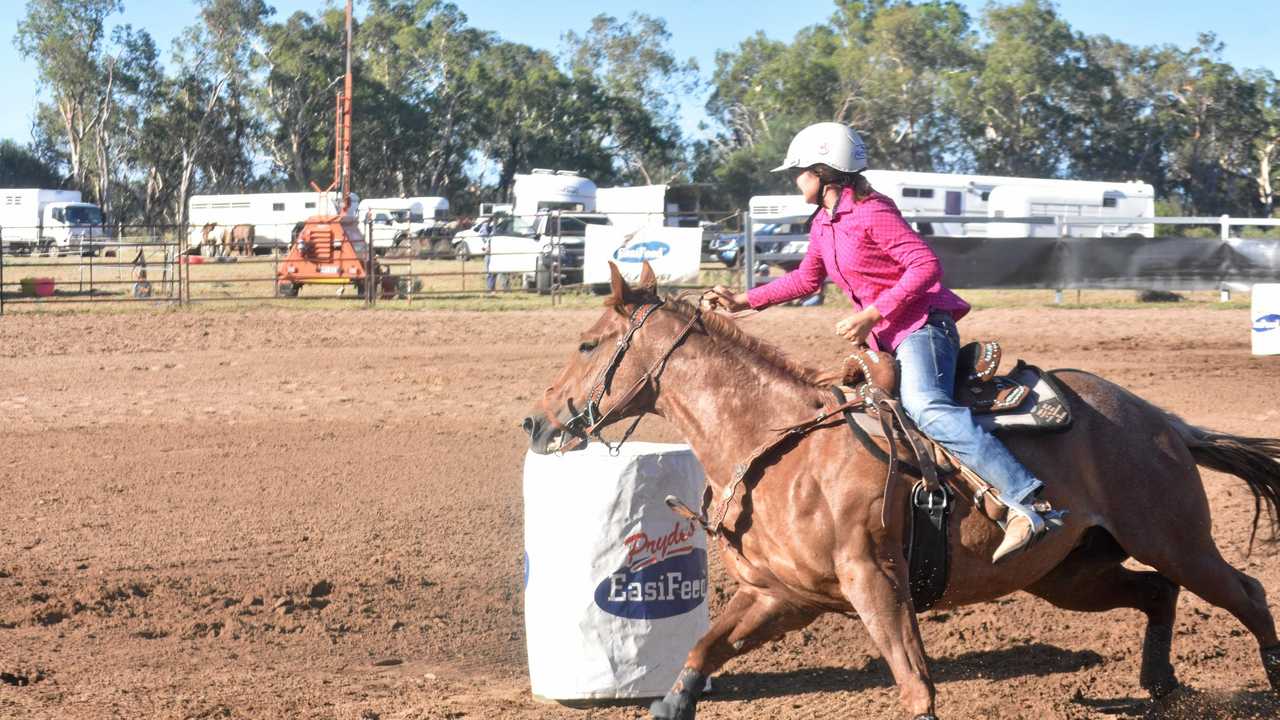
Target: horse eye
pixel 588 346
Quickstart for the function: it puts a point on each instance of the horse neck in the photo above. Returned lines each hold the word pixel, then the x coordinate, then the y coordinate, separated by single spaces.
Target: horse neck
pixel 725 404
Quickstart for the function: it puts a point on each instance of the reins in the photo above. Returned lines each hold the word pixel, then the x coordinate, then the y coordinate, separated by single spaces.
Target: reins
pixel 590 421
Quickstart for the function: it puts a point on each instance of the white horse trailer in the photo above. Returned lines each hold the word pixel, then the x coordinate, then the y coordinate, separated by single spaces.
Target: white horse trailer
pixel 1089 200
pixel 275 217
pixel 970 196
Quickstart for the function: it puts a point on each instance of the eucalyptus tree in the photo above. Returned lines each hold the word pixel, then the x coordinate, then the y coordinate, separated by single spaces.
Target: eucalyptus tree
pixel 87 71
pixel 637 78
pixel 301 64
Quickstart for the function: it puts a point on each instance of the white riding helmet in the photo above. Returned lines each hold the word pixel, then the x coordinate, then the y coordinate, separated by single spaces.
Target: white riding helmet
pixel 829 143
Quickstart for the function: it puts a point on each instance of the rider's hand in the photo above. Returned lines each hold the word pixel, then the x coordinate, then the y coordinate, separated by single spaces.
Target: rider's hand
pixel 857 326
pixel 722 297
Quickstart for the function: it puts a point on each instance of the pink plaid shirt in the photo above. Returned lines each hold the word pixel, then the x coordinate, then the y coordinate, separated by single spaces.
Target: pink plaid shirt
pixel 877 259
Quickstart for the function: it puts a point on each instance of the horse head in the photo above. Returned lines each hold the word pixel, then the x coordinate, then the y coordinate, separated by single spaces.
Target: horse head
pixel 611 374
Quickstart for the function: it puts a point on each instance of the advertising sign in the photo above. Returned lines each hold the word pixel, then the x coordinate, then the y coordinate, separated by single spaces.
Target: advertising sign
pixel 673 253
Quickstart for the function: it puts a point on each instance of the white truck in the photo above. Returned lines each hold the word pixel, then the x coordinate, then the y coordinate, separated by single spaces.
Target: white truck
pixel 535 196
pixel 50 221
pixel 400 220
pixel 276 217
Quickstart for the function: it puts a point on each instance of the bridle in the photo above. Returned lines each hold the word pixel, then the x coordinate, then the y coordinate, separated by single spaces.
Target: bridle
pixel 590 421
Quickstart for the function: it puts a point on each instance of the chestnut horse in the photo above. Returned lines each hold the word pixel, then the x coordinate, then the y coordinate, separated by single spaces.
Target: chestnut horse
pixel 238 239
pixel 807 537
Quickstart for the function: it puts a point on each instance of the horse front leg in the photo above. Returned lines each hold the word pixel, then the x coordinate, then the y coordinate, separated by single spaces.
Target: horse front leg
pixel 879 594
pixel 750 619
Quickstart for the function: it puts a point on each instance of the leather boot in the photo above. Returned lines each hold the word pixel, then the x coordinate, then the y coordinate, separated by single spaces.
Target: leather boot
pixel 1023 528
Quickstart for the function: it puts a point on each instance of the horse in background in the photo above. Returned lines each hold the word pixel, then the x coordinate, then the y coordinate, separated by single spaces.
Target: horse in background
pixel 238 239
pixel 208 243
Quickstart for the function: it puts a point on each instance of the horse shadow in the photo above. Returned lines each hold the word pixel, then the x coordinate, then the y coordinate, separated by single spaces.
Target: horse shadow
pixel 1034 659
pixel 1189 704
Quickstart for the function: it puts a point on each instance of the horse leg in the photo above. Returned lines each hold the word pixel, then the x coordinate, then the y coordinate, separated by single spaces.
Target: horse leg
pixel 882 602
pixel 749 620
pixel 1184 551
pixel 1092 579
pixel 1212 578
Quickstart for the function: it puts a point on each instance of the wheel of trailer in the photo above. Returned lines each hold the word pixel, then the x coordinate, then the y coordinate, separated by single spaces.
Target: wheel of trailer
pixel 461 251
pixel 284 288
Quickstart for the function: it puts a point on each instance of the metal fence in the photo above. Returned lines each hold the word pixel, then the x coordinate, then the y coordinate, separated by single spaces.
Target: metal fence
pixel 187 265
pixel 546 255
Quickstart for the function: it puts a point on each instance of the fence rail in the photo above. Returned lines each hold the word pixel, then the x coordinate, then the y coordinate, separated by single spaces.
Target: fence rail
pixel 187 265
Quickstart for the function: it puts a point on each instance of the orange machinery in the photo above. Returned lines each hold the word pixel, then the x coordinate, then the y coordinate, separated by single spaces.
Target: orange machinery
pixel 330 249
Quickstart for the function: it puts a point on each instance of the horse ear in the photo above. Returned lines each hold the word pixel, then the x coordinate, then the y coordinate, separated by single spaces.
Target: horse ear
pixel 618 286
pixel 648 280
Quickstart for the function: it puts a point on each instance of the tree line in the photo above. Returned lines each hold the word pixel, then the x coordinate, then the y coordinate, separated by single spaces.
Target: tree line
pixel 244 102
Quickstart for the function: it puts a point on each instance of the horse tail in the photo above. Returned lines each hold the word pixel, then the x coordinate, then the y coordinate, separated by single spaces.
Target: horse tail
pixel 1252 459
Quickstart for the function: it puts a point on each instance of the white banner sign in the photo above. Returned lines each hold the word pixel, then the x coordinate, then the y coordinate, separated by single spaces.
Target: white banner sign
pixel 674 253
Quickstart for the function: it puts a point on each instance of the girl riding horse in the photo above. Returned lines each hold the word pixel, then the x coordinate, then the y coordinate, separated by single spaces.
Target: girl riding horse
pixel 858 239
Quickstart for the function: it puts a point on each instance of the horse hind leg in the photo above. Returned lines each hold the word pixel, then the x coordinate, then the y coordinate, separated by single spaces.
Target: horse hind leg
pixel 1217 582
pixel 749 620
pixel 1092 579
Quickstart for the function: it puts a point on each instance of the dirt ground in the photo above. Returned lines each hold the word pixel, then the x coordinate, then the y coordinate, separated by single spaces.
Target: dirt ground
pixel 279 513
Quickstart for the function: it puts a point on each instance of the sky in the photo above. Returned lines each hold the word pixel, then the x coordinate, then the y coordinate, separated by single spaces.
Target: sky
pixel 698 29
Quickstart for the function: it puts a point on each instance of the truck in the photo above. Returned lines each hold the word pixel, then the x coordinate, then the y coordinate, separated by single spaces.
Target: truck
pixel 533 252
pixel 396 221
pixel 276 217
pixel 535 195
pixel 50 221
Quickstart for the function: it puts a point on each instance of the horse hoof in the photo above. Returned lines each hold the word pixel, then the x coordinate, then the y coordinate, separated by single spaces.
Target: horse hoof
pixel 1161 689
pixel 663 710
pixel 1271 663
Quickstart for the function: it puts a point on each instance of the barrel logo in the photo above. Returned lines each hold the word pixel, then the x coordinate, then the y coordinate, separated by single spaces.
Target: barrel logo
pixel 641 252
pixel 663 576
pixel 661 590
pixel 1265 323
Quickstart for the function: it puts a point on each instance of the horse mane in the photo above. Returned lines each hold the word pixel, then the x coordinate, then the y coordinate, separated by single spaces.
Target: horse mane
pixel 723 328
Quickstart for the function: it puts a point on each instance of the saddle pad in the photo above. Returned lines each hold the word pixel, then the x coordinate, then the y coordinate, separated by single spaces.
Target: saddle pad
pixel 1043 410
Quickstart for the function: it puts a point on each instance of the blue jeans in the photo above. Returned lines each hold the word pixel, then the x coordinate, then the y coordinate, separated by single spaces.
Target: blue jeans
pixel 927 367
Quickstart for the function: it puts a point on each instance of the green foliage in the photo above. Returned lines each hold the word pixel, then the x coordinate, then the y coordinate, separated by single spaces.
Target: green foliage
pixel 22 168
pixel 245 102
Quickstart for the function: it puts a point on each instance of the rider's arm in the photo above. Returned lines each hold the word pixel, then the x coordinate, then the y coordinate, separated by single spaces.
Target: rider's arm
pixel 805 280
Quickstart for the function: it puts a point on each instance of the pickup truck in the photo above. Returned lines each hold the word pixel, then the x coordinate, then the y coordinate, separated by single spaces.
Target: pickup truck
pixel 541 249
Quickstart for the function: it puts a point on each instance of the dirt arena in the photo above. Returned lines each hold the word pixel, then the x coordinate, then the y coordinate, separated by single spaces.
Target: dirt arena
pixel 316 513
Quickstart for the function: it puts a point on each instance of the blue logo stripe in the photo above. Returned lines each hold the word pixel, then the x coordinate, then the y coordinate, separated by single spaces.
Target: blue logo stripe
pixel 662 590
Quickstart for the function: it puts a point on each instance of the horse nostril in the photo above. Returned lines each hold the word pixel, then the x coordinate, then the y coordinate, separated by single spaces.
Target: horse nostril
pixel 529 426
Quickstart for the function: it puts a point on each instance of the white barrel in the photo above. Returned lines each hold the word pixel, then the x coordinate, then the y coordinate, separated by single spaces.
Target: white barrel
pixel 615 583
pixel 1266 319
